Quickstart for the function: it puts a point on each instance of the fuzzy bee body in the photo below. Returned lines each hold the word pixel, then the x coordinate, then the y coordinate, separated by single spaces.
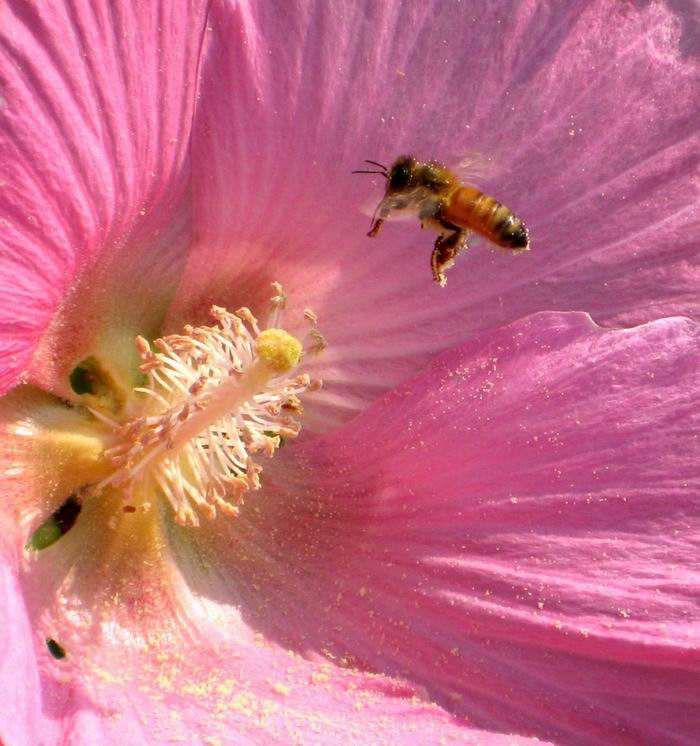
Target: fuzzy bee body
pixel 453 209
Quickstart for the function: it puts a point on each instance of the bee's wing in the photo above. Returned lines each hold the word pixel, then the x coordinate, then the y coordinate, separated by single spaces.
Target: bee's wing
pixel 475 167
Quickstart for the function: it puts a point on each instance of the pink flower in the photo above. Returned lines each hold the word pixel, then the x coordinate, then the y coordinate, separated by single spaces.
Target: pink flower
pixel 488 528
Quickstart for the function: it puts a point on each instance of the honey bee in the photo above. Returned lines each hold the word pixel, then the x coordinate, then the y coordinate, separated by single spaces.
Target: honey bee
pixel 443 203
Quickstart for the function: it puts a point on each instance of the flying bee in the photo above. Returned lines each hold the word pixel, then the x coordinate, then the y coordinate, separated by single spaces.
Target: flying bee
pixel 443 203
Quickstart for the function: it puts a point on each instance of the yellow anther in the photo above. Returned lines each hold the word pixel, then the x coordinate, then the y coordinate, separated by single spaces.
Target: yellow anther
pixel 279 349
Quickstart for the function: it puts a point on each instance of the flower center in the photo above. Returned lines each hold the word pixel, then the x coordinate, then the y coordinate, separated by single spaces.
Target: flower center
pixel 216 396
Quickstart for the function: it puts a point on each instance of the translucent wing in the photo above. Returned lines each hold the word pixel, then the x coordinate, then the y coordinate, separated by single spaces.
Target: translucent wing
pixel 474 167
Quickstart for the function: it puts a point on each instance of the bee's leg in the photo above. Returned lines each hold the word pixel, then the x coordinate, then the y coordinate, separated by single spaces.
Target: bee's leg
pixel 382 212
pixel 376 225
pixel 446 249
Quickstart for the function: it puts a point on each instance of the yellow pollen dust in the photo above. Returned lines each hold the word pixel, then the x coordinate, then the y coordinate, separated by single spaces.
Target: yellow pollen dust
pixel 279 349
pixel 217 397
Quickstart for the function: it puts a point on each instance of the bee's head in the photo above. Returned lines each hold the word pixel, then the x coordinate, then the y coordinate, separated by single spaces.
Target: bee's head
pixel 401 174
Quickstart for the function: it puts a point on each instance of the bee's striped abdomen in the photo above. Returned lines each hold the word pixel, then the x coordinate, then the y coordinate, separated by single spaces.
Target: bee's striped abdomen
pixel 512 234
pixel 470 208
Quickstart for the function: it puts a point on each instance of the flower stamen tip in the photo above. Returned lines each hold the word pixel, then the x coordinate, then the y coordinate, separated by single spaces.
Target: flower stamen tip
pixel 279 349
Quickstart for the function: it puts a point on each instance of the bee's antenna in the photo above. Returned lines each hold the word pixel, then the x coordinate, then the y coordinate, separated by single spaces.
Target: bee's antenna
pixel 375 163
pixel 381 173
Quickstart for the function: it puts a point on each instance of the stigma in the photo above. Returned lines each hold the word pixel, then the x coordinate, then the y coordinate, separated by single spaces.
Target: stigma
pixel 217 398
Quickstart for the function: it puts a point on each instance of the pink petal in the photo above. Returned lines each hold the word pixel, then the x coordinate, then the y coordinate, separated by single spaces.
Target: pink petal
pixel 254 695
pixel 515 530
pixel 158 680
pixel 587 110
pixel 124 293
pixel 20 704
pixel 142 643
pixel 95 116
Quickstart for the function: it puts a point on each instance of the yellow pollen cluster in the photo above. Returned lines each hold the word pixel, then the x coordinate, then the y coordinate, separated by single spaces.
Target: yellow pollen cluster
pixel 217 395
pixel 280 350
